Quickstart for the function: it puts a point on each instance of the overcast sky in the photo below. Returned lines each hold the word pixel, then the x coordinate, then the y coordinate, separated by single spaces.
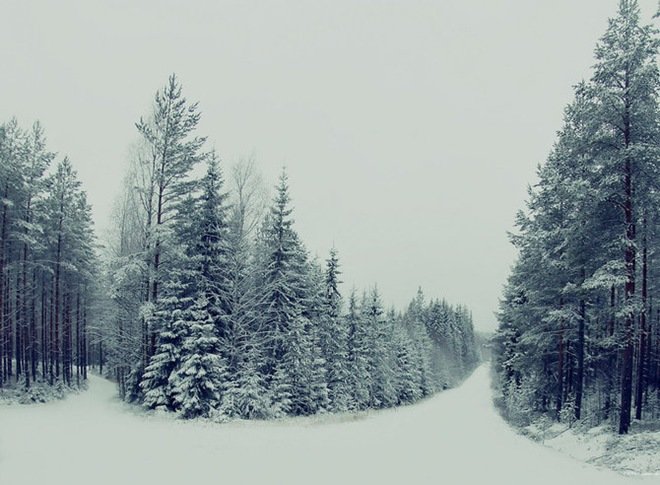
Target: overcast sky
pixel 410 129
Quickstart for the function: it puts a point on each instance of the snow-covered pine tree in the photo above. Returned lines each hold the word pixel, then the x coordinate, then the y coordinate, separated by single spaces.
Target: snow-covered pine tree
pixel 171 313
pixel 312 296
pixel 379 351
pixel 292 364
pixel 625 88
pixel 295 391
pixel 155 385
pixel 246 395
pixel 196 290
pixel 210 245
pixel 281 276
pixel 69 245
pixel 171 152
pixel 408 375
pixel 334 337
pixel 46 260
pixel 198 382
pixel 414 320
pixel 358 354
pixel 573 321
pixel 210 250
pixel 28 233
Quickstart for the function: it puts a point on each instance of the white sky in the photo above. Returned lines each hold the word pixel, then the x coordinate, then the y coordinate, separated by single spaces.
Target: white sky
pixel 410 129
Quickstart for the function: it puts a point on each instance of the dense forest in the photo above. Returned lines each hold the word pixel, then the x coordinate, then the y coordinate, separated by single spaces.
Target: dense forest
pixel 47 257
pixel 203 301
pixel 579 334
pixel 217 309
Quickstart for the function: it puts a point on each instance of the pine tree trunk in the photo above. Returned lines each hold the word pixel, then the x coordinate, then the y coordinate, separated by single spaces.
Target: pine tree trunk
pixel 641 364
pixel 69 340
pixel 78 348
pixel 26 346
pixel 65 336
pixel 101 357
pixel 18 332
pixel 629 293
pixel 56 337
pixel 3 323
pixel 84 349
pixel 51 333
pixel 44 334
pixel 560 372
pixel 11 330
pixel 156 265
pixel 579 378
pixel 33 326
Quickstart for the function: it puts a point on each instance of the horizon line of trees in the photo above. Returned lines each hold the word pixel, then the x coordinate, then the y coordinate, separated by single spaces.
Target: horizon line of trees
pixel 217 310
pixel 579 322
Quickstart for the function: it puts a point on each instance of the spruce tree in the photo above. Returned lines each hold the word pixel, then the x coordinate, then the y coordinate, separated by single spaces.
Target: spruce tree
pixel 282 277
pixel 198 382
pixel 358 354
pixel 334 337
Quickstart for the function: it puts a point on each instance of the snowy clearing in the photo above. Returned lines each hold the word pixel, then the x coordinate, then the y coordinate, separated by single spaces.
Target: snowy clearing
pixel 455 437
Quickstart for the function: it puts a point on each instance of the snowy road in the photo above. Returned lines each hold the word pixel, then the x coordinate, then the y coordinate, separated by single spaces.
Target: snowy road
pixel 453 438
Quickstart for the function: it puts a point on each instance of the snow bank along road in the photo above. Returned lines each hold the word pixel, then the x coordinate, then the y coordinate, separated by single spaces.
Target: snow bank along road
pixel 453 438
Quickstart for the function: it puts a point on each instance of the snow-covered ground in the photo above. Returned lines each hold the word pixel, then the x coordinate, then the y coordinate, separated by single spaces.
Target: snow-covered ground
pixel 455 437
pixel 13 393
pixel 635 453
